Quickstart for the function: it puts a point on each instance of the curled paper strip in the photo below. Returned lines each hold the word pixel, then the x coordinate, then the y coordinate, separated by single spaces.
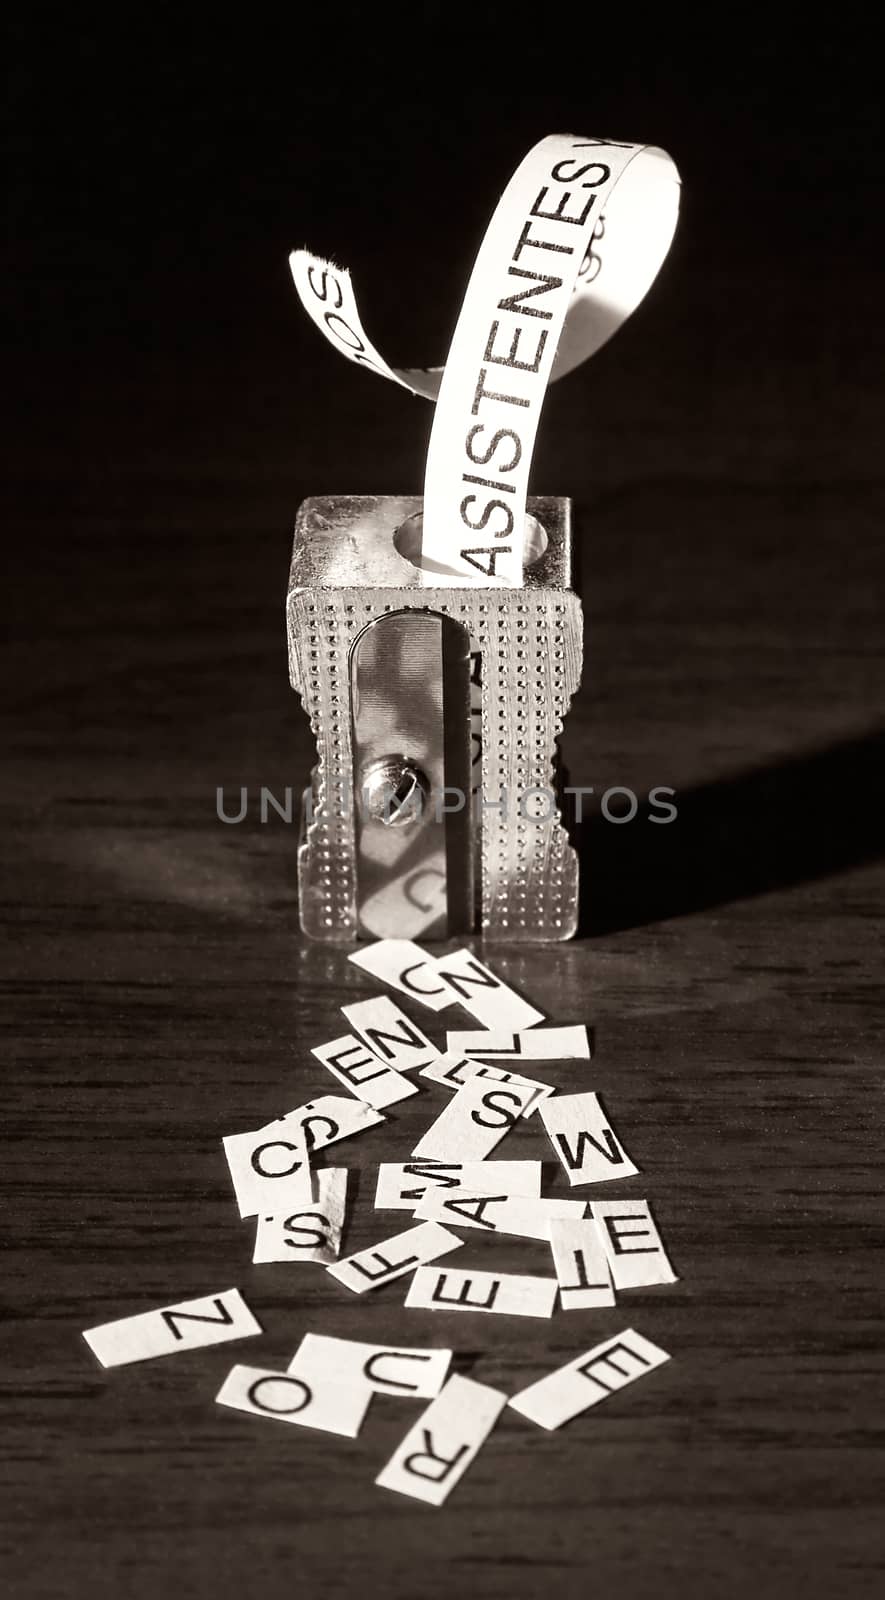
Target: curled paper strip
pixel 575 243
pixel 327 295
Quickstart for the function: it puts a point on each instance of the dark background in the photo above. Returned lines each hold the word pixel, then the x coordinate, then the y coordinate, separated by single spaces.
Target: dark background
pixel 169 406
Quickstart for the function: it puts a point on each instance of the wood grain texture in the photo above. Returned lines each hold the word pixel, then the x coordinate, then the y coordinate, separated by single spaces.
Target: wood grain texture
pixel 157 993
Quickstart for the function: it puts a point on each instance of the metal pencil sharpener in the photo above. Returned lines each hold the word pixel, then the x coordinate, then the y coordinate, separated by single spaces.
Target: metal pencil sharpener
pixel 433 807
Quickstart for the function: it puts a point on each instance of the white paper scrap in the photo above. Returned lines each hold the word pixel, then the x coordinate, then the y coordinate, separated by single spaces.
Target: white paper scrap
pixel 498 1213
pixel 582 1268
pixel 509 1293
pixel 269 1168
pixel 330 1117
pixel 213 1319
pixel 474 1121
pixel 331 1407
pixel 583 1139
pixel 389 1034
pixel 312 1233
pixel 387 1369
pixel 368 1269
pixel 402 964
pixel 452 1071
pixel 583 1383
pixel 632 1243
pixel 533 1044
pixel 358 1069
pixel 402 1184
pixel 436 1452
pixel 483 994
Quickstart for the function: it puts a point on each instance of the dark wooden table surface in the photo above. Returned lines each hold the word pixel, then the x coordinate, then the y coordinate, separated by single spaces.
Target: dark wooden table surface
pixel 157 993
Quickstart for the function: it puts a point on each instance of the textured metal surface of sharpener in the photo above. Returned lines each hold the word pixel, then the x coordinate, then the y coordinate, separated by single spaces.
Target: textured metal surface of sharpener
pixel 348 572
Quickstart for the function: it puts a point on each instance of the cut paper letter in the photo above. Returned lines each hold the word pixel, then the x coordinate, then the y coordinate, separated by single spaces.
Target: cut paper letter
pixel 533 1044
pixel 368 1269
pixel 402 964
pixel 213 1319
pixel 396 1370
pixel 582 1268
pixel 388 1033
pixel 631 1241
pixel 331 1407
pixel 402 1185
pixel 511 1294
pixel 486 997
pixel 583 1383
pixel 312 1233
pixel 436 1452
pixel 331 1117
pixel 452 1071
pixel 269 1168
pixel 474 1121
pixel 582 1137
pixel 498 1213
pixel 358 1069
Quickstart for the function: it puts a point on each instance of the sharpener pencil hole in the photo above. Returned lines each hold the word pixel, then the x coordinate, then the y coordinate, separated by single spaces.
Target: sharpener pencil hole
pixel 407 542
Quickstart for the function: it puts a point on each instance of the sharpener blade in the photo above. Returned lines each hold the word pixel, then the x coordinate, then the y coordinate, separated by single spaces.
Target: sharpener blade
pixel 410 701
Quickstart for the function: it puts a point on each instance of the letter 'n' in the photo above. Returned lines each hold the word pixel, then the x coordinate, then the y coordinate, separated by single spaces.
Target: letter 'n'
pixel 224 1318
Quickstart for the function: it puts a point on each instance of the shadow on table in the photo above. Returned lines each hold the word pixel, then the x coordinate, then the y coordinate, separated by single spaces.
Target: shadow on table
pixel 788 824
